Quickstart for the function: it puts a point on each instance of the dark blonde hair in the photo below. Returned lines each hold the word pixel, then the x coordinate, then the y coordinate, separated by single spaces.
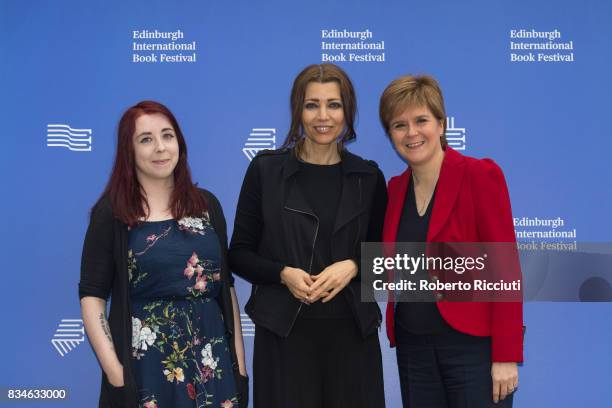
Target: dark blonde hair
pixel 322 73
pixel 407 91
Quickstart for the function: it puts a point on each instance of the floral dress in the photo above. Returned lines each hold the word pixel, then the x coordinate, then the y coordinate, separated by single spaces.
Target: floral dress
pixel 180 352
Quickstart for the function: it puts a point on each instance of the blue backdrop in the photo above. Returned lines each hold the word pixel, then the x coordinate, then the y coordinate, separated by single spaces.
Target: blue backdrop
pixel 72 63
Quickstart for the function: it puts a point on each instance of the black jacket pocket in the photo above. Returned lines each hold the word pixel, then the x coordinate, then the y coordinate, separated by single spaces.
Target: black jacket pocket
pixel 115 396
pixel 243 391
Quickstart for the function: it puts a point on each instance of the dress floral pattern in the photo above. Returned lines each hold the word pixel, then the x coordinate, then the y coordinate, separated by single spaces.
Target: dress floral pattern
pixel 180 353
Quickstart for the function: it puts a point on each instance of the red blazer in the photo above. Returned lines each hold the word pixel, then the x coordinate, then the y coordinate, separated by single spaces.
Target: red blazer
pixel 471 205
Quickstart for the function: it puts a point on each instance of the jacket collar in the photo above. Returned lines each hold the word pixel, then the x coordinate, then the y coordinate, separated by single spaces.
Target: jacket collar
pixel 447 191
pixel 351 197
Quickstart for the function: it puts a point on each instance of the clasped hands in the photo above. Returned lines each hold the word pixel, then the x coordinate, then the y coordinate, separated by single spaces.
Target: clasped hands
pixel 324 286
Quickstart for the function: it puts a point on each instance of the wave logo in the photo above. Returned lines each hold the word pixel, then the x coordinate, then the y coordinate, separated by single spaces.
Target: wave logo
pixel 259 139
pixel 69 334
pixel 77 140
pixel 248 327
pixel 454 136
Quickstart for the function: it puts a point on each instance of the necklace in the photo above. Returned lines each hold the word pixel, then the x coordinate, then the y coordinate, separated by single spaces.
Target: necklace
pixel 423 207
pixel 421 210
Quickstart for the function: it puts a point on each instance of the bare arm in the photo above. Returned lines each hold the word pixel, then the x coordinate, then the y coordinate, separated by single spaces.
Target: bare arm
pixel 93 310
pixel 238 343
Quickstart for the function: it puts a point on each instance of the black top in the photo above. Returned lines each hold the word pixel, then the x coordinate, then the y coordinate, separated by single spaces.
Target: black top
pixel 275 226
pixel 322 186
pixel 417 317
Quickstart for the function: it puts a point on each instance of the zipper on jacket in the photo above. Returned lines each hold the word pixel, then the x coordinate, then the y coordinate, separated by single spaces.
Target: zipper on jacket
pixel 311 259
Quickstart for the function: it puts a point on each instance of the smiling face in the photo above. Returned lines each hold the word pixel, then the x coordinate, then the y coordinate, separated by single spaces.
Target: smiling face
pixel 322 113
pixel 156 149
pixel 415 133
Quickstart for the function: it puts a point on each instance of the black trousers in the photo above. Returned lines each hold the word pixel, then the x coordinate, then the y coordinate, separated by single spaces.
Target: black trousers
pixel 322 363
pixel 451 370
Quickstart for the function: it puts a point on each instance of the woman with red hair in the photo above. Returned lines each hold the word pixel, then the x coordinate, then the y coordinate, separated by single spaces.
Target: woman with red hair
pixel 157 244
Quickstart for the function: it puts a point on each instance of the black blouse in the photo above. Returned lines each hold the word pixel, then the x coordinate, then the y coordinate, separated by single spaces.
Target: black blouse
pixel 417 317
pixel 322 186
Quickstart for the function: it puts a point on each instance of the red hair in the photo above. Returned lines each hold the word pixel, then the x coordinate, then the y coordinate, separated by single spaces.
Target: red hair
pixel 127 198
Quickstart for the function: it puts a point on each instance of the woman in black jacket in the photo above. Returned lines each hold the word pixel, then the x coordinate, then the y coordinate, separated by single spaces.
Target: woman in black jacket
pixel 302 214
pixel 158 245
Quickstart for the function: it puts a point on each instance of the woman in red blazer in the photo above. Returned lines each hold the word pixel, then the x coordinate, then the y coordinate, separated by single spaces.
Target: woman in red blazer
pixel 450 354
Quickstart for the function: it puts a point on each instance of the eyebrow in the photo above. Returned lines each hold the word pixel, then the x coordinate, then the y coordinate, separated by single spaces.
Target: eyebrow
pixel 423 116
pixel 149 133
pixel 317 99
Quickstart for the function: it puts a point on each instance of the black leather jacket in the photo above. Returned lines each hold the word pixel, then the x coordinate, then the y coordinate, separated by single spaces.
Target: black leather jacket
pixel 275 227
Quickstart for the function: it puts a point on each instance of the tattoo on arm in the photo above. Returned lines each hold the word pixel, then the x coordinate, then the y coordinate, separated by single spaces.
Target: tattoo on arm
pixel 106 328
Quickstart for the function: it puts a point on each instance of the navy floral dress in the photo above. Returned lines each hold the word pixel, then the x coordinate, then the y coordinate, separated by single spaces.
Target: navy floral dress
pixel 180 353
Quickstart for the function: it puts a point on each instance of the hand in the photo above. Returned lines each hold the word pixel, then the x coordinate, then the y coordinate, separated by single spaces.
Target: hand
pixel 298 282
pixel 116 377
pixel 332 280
pixel 505 379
